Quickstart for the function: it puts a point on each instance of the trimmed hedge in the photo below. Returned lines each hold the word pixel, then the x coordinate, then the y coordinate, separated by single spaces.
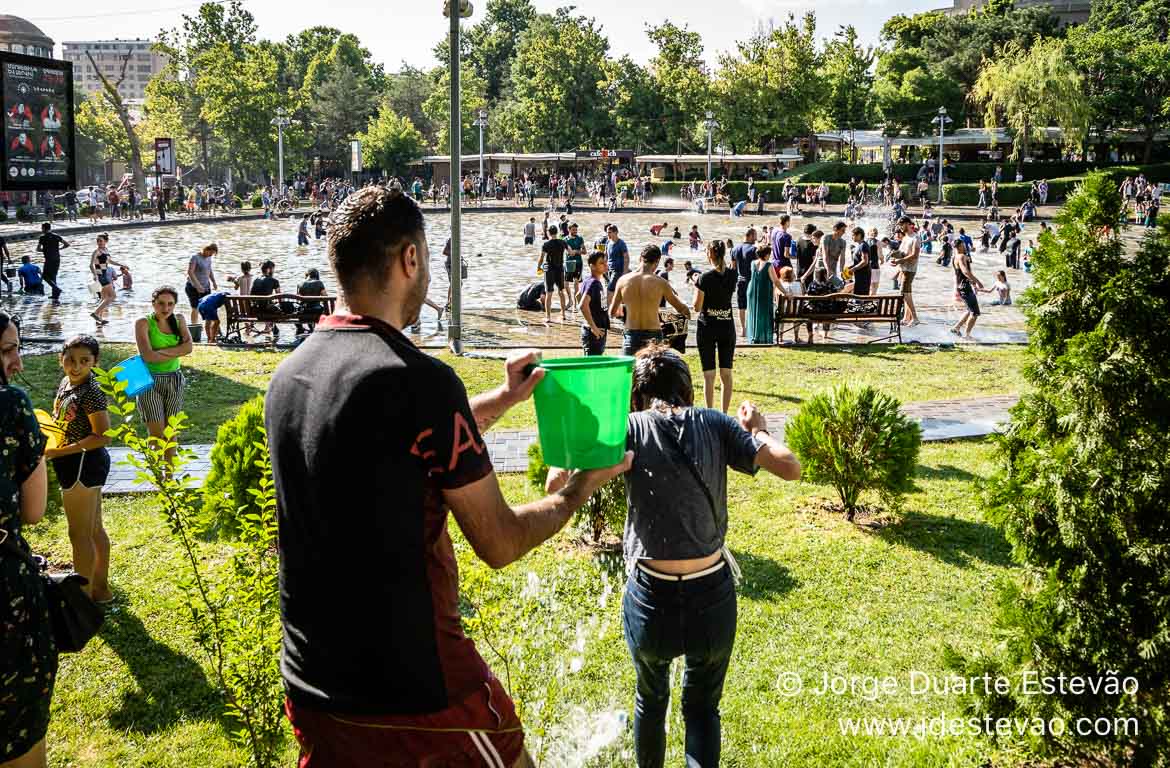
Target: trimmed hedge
pixel 974 172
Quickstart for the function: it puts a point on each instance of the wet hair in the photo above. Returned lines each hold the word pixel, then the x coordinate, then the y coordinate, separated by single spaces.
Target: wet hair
pixel 164 289
pixel 716 251
pixel 83 341
pixel 651 254
pixel 596 256
pixel 369 229
pixel 661 375
pixel 787 274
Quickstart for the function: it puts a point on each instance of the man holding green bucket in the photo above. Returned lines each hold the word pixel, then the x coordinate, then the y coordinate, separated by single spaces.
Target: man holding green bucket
pixel 372 442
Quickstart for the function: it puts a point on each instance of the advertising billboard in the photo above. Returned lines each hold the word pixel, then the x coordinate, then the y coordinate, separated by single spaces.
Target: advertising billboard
pixel 164 157
pixel 38 151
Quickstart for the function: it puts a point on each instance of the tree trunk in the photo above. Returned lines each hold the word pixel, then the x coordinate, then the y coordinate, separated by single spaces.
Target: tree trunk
pixel 203 145
pixel 1149 143
pixel 115 99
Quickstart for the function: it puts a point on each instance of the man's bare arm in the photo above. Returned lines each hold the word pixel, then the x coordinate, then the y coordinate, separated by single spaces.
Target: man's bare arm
pixel 501 535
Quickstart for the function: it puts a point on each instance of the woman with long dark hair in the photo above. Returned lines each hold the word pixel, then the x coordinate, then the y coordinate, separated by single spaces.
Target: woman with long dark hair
pixel 28 655
pixel 680 595
pixel 162 338
pixel 715 334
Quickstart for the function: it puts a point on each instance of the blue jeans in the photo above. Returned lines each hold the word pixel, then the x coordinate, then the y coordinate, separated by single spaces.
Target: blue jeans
pixel 632 341
pixel 665 619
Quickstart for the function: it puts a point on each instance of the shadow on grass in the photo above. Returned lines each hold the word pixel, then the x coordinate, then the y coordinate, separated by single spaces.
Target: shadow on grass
pixel 171 687
pixel 944 472
pixel 763 577
pixel 952 540
pixel 772 395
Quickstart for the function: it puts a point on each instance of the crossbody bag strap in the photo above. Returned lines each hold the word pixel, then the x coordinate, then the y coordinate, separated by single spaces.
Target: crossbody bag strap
pixel 675 441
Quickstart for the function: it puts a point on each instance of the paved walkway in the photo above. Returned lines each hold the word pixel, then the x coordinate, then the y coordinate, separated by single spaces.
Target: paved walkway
pixel 940 420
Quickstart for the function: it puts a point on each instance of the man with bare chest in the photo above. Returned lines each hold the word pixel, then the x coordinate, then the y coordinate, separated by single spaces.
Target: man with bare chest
pixel 641 293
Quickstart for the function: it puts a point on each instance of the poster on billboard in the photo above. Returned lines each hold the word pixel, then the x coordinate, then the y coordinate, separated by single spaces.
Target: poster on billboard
pixel 164 156
pixel 355 156
pixel 38 151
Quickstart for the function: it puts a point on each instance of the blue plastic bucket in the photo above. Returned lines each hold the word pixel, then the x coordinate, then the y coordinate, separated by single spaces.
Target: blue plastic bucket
pixel 136 375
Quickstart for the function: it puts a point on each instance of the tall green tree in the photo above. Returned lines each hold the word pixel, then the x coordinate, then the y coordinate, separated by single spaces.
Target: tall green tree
pixel 1124 54
pixel 407 91
pixel 848 73
pixel 493 43
pixel 557 78
pixel 1082 490
pixel 391 141
pixel 341 107
pixel 1029 89
pixel 768 91
pixel 637 110
pixel 681 76
pixel 438 107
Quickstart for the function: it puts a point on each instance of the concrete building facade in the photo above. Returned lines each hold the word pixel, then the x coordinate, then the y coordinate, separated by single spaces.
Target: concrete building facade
pixel 20 36
pixel 109 55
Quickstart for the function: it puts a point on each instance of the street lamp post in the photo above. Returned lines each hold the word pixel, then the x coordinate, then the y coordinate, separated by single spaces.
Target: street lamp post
pixel 942 121
pixel 711 125
pixel 281 122
pixel 455 324
pixel 481 123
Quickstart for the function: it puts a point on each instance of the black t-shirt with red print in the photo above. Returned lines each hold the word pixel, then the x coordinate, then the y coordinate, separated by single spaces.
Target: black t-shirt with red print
pixel 366 432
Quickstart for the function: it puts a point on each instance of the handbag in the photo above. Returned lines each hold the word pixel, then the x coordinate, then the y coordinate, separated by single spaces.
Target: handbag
pixel 74 616
pixel 725 551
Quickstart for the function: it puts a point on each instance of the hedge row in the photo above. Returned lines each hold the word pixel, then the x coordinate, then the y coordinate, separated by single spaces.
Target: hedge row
pixel 975 172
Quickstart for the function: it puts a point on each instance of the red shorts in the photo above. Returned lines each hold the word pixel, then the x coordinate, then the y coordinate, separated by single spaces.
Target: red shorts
pixel 481 730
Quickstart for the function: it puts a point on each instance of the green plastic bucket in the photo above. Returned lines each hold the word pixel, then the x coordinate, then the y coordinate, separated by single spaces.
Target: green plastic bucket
pixel 582 405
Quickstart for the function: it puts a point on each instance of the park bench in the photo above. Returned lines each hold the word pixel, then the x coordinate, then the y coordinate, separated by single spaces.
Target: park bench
pixel 840 308
pixel 280 308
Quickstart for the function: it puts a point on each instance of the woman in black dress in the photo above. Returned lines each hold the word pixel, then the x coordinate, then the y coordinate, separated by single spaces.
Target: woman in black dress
pixel 28 656
pixel 715 334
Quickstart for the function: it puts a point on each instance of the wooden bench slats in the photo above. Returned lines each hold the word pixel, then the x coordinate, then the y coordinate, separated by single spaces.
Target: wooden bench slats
pixel 242 310
pixel 884 308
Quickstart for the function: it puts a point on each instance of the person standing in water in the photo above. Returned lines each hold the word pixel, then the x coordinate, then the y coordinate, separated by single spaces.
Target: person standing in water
pixel 641 293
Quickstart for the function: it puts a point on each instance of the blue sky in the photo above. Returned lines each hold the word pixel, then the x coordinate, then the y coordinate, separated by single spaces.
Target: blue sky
pixel 405 30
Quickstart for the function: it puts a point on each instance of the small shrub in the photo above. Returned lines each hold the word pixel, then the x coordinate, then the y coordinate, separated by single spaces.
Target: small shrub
pixel 3 214
pixel 606 508
pixel 256 201
pixel 21 213
pixel 856 439
pixel 234 470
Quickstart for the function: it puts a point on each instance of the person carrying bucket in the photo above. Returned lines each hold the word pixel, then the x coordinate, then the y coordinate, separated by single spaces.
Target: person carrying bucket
pixel 680 595
pixel 372 442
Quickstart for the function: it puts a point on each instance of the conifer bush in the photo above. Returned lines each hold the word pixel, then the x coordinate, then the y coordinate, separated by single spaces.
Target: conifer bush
pixel 856 439
pixel 234 469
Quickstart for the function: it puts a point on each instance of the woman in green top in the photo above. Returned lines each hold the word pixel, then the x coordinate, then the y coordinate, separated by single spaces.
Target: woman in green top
pixel 162 338
pixel 764 282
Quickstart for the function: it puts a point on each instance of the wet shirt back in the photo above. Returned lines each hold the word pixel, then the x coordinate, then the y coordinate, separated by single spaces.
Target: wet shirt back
pixel 365 433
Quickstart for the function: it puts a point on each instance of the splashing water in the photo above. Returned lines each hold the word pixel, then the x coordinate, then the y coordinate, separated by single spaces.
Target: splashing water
pixel 583 736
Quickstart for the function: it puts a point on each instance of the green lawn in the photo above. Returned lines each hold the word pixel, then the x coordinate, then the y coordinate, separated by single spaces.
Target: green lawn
pixel 777 380
pixel 820 595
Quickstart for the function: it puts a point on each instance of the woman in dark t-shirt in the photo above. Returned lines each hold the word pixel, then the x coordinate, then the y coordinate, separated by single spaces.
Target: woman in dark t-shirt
pixel 680 593
pixel 715 334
